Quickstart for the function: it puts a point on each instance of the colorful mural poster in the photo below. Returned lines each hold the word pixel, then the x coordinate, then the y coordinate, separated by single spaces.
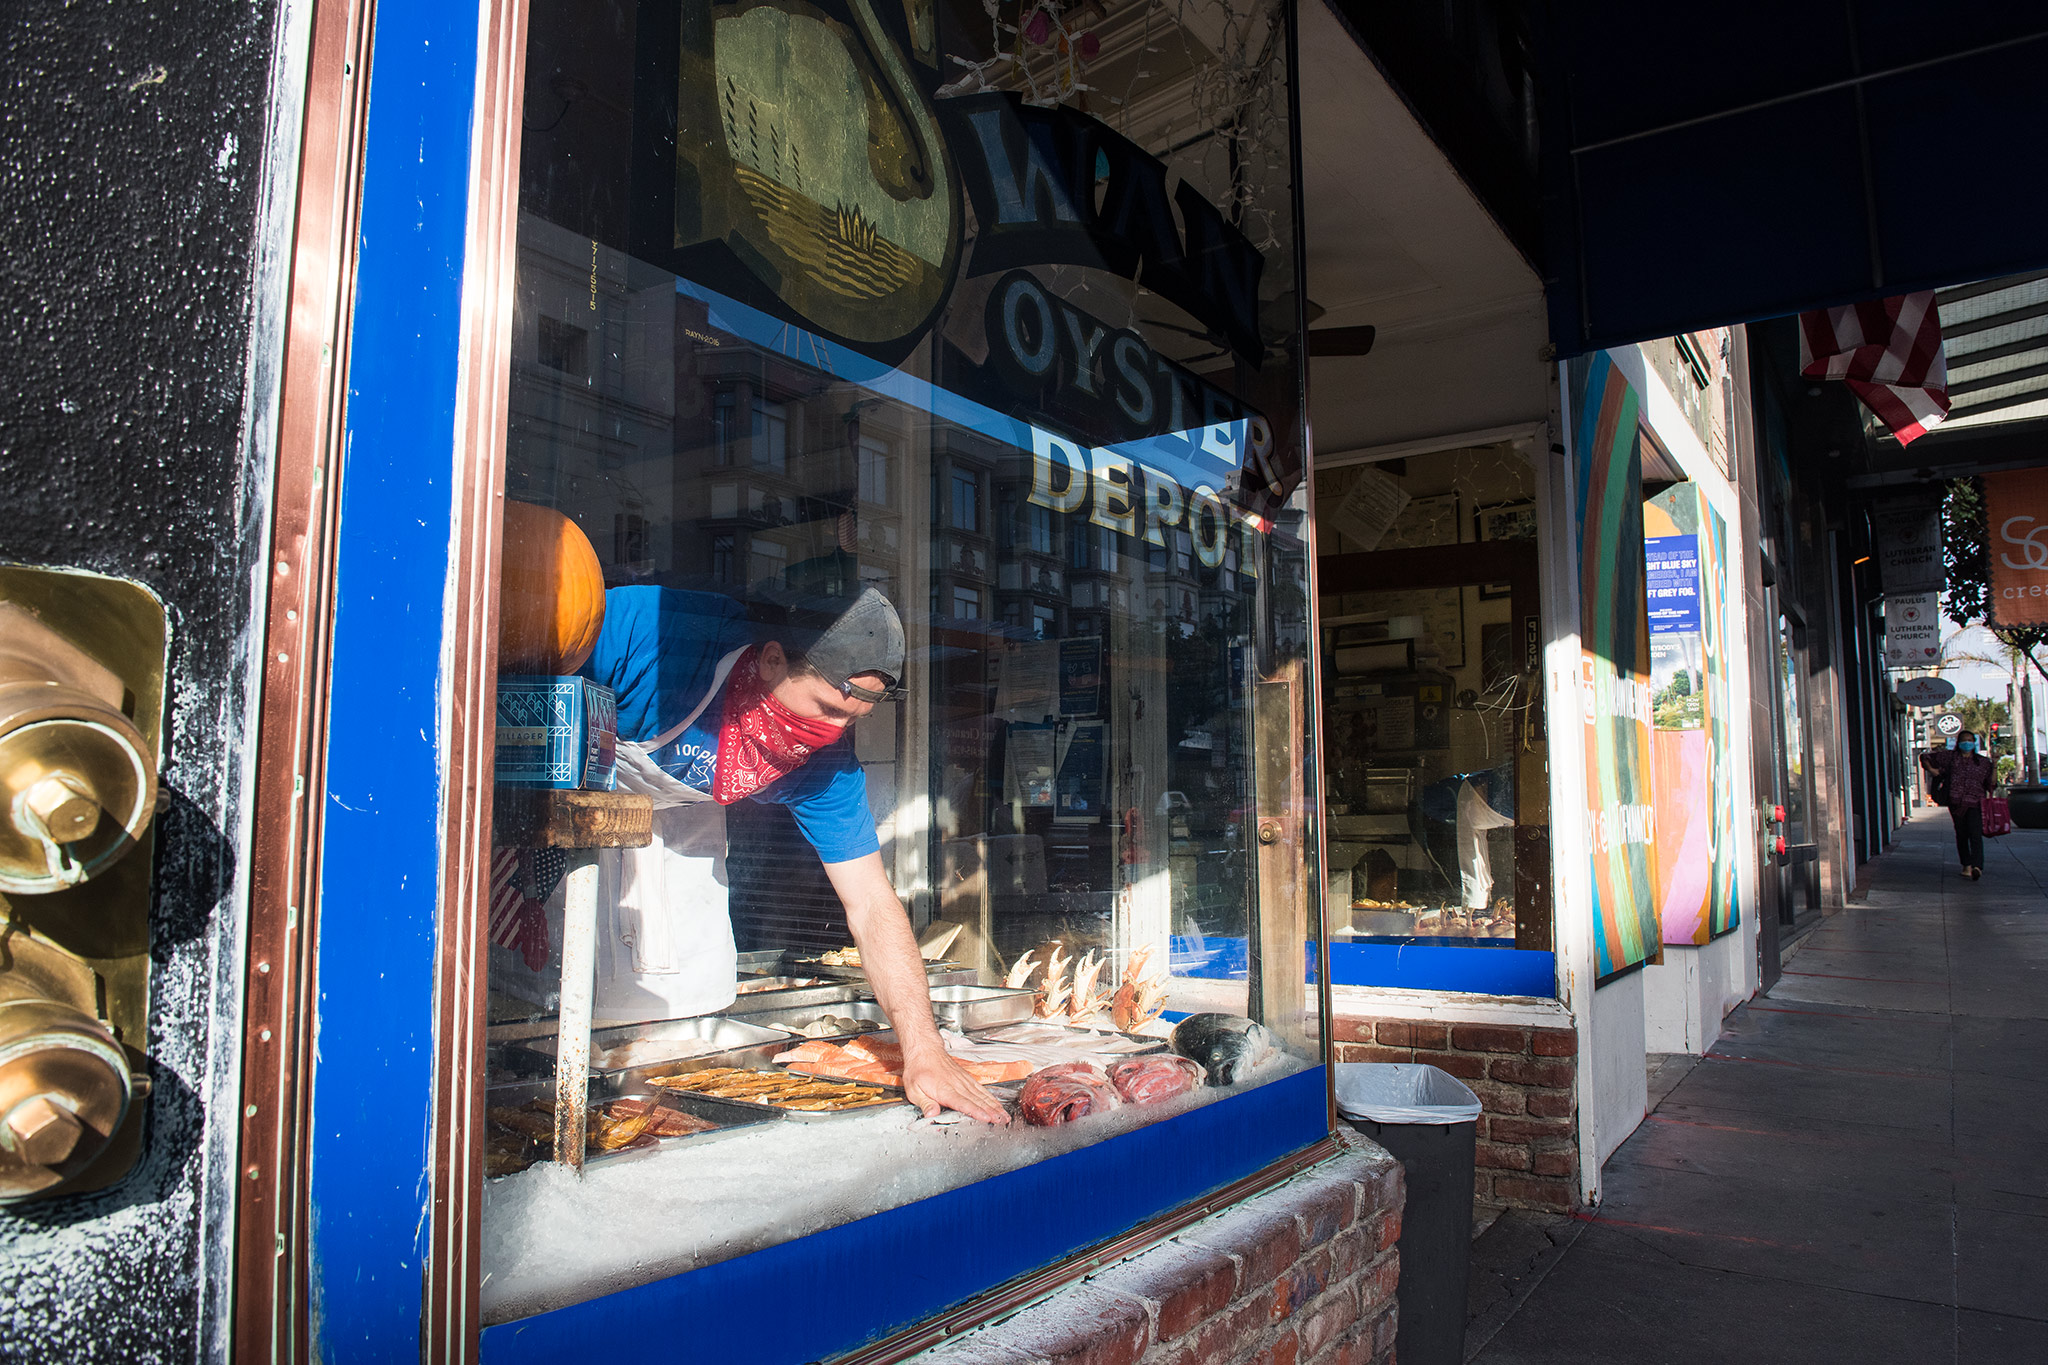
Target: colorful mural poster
pixel 1690 709
pixel 1722 622
pixel 1614 634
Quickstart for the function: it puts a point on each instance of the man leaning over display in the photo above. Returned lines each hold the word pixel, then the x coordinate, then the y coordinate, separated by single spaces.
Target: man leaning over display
pixel 710 713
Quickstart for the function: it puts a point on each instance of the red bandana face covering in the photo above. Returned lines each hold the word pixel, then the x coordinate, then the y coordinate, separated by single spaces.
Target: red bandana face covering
pixel 759 739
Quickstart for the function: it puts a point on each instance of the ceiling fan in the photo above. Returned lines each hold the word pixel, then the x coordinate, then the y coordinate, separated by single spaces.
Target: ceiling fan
pixel 1322 341
pixel 1336 341
pixel 1340 341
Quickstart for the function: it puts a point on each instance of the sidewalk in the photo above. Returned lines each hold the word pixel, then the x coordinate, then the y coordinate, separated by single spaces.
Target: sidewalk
pixel 1857 1170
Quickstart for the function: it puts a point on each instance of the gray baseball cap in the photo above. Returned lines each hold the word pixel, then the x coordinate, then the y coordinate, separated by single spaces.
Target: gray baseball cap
pixel 864 637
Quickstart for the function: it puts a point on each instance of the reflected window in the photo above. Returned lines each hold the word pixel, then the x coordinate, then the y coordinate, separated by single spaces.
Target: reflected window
pixel 874 471
pixel 1038 529
pixel 966 501
pixel 563 346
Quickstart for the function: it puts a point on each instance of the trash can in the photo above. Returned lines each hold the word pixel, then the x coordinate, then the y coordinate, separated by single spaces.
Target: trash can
pixel 1427 1118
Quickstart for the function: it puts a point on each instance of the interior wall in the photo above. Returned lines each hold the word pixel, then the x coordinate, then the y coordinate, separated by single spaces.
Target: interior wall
pixel 140 167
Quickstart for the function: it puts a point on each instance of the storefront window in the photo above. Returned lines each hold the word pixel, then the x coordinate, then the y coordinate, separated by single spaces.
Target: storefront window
pixel 1435 742
pixel 947 357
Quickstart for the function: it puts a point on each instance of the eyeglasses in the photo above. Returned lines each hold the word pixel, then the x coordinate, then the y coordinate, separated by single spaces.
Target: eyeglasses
pixel 893 692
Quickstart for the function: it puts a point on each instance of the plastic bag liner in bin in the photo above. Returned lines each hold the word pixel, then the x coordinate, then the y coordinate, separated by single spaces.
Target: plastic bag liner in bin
pixel 1403 1092
pixel 1427 1119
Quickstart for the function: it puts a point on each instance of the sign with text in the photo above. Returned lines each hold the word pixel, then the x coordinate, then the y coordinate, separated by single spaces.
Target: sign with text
pixel 1672 564
pixel 1912 630
pixel 1908 538
pixel 1925 691
pixel 2016 523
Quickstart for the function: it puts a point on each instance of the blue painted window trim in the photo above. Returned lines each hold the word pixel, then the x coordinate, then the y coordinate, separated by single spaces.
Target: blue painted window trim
pixel 372 1091
pixel 373 1072
pixel 1474 966
pixel 1436 967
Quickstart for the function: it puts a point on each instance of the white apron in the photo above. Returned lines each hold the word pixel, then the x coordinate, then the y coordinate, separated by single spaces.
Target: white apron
pixel 664 935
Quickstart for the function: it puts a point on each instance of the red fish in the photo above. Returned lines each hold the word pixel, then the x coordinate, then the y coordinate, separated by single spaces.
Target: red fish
pixel 1063 1093
pixel 1148 1080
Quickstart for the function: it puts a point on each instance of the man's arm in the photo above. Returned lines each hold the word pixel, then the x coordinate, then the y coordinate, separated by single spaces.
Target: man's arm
pixel 889 956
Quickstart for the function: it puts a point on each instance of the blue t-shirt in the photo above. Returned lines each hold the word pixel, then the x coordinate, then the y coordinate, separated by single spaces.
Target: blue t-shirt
pixel 658 652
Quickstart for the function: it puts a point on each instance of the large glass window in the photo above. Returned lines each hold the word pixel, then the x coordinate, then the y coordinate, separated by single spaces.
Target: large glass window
pixel 945 357
pixel 1435 741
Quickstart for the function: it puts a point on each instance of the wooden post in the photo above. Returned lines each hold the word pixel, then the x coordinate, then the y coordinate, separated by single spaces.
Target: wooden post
pixel 581 822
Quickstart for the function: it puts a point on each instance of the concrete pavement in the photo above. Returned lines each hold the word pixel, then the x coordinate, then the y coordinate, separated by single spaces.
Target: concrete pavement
pixel 1856 1171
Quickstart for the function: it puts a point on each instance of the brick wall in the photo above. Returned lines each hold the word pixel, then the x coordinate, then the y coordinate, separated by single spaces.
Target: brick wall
pixel 1527 1082
pixel 1301 1274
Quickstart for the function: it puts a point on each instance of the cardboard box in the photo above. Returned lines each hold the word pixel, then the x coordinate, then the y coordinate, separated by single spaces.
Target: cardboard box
pixel 556 732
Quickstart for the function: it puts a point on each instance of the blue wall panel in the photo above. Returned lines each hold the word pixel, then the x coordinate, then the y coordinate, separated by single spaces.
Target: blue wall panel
pixel 372 1086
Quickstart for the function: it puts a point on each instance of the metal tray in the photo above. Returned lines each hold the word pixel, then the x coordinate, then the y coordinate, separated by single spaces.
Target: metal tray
pixel 804 962
pixel 730 1118
pixel 796 1017
pixel 748 1058
pixel 973 1007
pixel 758 983
pixel 790 997
pixel 725 1033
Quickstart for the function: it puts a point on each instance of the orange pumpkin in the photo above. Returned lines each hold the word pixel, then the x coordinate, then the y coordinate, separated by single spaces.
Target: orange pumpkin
pixel 551 592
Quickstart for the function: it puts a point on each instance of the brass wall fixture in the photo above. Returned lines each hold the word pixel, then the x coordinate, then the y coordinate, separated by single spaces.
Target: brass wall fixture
pixel 81 702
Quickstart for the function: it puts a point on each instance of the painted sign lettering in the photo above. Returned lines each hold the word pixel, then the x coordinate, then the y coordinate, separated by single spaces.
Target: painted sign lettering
pixel 1114 389
pixel 1056 186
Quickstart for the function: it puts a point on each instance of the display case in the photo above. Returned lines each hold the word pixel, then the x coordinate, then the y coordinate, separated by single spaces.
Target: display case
pixel 905 449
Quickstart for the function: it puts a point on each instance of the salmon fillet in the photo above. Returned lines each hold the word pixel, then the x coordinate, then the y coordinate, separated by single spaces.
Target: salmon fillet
pixel 875 1050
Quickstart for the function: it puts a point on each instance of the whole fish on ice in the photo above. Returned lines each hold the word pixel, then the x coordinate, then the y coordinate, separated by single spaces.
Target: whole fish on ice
pixel 1228 1046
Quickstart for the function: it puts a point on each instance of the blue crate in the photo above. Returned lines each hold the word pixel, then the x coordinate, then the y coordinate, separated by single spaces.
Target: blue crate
pixel 556 732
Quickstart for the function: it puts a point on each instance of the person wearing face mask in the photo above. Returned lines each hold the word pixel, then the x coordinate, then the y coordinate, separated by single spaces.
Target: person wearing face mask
pixel 713 709
pixel 1968 777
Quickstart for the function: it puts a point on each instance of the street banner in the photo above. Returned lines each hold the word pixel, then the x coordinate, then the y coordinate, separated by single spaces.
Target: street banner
pixel 1909 546
pixel 2016 522
pixel 1912 630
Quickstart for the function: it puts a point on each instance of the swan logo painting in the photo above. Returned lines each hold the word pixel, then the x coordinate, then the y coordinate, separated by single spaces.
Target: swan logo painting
pixel 2016 515
pixel 815 176
pixel 810 174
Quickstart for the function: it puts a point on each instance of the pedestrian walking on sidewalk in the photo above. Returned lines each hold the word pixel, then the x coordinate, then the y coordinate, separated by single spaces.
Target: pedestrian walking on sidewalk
pixel 1960 778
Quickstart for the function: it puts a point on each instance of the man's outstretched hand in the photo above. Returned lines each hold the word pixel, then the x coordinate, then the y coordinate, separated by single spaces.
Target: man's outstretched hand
pixel 934 1081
